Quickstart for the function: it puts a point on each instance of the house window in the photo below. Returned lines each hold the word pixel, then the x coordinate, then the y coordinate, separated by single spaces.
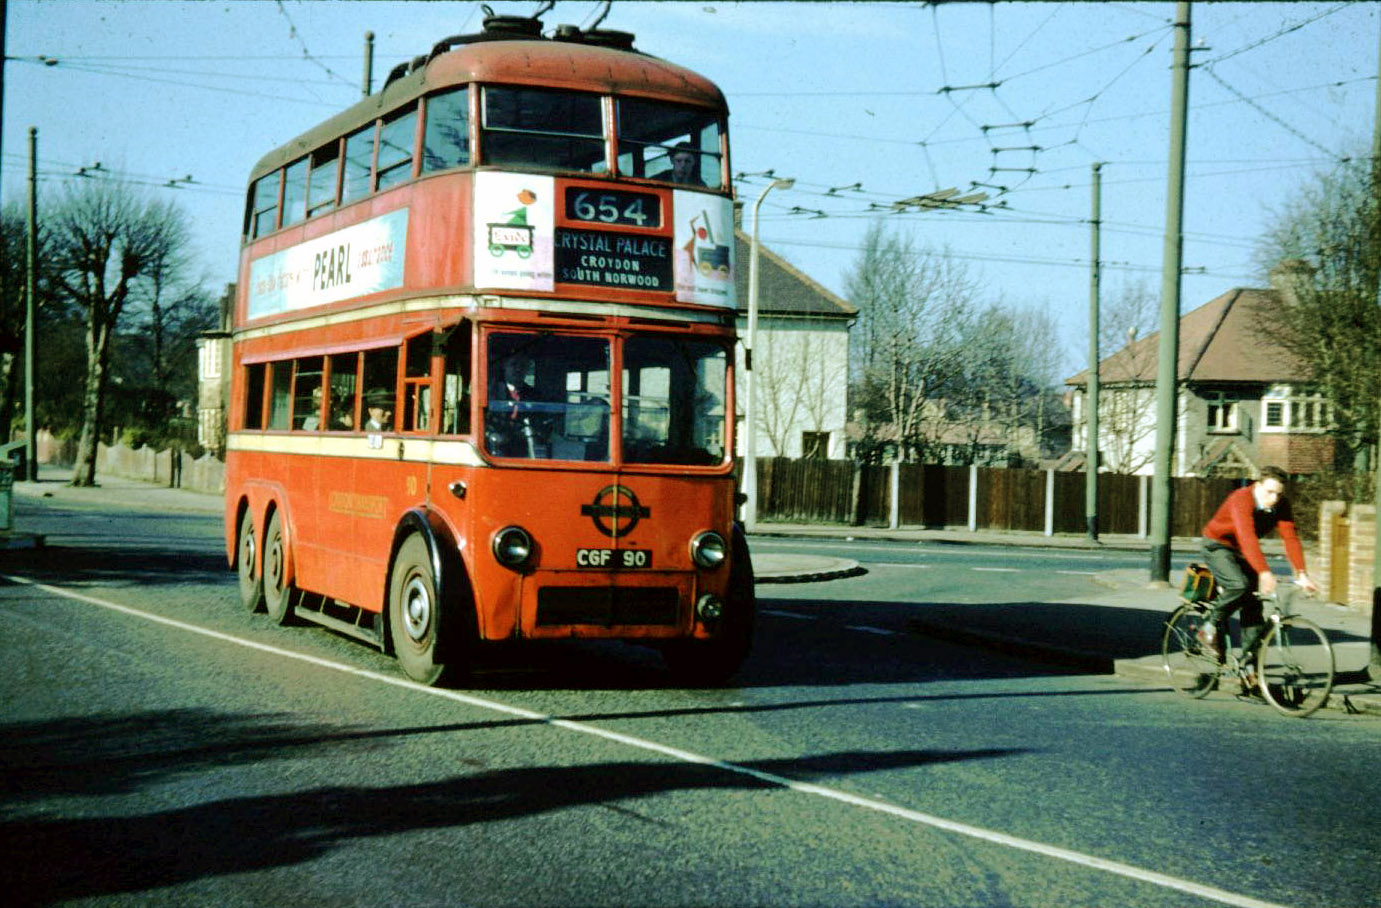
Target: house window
pixel 1222 414
pixel 815 445
pixel 1290 409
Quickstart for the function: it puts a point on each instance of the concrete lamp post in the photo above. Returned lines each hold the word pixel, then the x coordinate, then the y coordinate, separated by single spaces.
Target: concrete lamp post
pixel 750 430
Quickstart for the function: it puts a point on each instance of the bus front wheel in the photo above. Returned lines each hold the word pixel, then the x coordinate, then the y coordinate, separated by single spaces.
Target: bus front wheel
pixel 247 566
pixel 413 614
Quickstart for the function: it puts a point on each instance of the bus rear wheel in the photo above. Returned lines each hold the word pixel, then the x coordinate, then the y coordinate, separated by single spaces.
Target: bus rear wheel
pixel 247 566
pixel 414 618
pixel 278 593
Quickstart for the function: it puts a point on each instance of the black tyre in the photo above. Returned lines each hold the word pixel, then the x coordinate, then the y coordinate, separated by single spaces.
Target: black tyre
pixel 415 621
pixel 1191 671
pixel 1294 667
pixel 278 592
pixel 247 566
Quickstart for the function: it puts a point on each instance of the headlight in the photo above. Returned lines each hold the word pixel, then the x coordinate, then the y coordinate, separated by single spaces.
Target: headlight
pixel 709 550
pixel 512 547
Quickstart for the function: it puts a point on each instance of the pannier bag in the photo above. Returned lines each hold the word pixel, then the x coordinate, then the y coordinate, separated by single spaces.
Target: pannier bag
pixel 1199 585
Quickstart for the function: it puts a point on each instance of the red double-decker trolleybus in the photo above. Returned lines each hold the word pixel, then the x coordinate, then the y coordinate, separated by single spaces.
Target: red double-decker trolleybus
pixel 483 361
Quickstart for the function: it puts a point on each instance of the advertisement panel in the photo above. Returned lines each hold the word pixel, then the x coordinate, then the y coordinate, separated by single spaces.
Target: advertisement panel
pixel 366 258
pixel 704 249
pixel 514 229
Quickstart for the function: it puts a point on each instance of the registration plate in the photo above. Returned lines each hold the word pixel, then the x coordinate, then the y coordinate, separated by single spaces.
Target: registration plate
pixel 613 559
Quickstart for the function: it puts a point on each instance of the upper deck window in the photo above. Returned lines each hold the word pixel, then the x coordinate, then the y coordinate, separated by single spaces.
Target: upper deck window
pixel 396 138
pixel 321 189
pixel 295 192
pixel 447 140
pixel 670 142
pixel 359 158
pixel 531 127
pixel 263 213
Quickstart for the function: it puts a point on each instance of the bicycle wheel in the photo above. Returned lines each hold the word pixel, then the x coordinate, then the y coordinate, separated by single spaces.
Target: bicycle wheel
pixel 1192 672
pixel 1295 667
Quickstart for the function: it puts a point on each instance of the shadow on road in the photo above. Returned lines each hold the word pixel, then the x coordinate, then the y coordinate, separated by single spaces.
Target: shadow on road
pixel 132 563
pixel 51 860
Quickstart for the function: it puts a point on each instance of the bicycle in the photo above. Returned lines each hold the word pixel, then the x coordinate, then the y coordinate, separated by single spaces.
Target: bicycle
pixel 1292 667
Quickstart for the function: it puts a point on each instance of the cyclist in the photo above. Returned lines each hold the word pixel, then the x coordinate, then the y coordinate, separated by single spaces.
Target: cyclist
pixel 1232 547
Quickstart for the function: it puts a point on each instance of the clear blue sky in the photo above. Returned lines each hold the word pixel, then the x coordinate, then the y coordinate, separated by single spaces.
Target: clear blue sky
pixel 833 94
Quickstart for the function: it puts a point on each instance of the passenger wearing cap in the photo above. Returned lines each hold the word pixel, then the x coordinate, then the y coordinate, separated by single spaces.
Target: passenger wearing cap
pixel 379 403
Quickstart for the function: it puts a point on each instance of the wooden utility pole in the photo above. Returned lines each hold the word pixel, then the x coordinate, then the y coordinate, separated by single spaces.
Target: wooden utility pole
pixel 1167 375
pixel 1091 420
pixel 30 304
pixel 1375 661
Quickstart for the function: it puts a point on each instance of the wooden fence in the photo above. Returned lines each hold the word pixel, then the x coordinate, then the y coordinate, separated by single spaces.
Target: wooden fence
pixel 930 495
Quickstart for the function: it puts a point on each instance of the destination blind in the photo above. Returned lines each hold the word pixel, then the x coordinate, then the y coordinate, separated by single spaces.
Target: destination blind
pixel 613 259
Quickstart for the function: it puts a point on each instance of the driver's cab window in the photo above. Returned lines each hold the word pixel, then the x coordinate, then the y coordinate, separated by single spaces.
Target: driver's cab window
pixel 548 397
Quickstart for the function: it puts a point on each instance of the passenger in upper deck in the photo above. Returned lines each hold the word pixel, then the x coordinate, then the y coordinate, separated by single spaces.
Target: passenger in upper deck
pixel 685 165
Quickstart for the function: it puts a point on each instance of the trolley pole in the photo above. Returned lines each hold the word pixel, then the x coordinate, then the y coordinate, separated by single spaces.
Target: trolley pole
pixel 367 83
pixel 30 302
pixel 1091 422
pixel 1167 390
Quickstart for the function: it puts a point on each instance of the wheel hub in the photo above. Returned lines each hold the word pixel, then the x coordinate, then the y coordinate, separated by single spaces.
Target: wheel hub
pixel 417 609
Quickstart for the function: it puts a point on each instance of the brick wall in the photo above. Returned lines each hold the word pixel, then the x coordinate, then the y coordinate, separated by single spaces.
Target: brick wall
pixel 1345 570
pixel 1331 515
pixel 1296 453
pixel 1363 537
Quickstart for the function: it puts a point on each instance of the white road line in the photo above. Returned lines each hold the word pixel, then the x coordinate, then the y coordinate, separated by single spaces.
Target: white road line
pixel 993 570
pixel 776 613
pixel 881 632
pixel 898 564
pixel 1093 862
pixel 1008 552
pixel 1080 573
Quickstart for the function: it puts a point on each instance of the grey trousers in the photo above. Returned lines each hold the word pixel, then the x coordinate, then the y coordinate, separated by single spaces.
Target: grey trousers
pixel 1236 591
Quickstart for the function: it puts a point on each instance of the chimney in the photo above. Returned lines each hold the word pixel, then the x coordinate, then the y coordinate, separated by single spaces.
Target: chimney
pixel 1289 277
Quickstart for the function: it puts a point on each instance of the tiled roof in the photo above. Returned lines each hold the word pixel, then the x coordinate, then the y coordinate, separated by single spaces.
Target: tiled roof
pixel 782 289
pixel 1223 340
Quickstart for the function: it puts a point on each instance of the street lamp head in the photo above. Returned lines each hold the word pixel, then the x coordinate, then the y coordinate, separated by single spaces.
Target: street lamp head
pixel 785 183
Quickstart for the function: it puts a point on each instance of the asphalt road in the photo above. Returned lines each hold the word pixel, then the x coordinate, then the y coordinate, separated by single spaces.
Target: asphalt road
pixel 162 747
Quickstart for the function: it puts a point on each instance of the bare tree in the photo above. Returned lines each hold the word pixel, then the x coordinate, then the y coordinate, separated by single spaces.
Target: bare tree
pixel 914 305
pixel 997 401
pixel 13 234
pixel 1333 322
pixel 107 242
pixel 168 316
pixel 1126 410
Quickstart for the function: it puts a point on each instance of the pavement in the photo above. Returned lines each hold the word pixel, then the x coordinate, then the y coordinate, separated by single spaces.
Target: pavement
pixel 1117 626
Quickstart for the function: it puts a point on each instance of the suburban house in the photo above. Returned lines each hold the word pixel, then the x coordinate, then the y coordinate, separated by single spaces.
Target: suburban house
pixel 801 364
pixel 1243 401
pixel 213 378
